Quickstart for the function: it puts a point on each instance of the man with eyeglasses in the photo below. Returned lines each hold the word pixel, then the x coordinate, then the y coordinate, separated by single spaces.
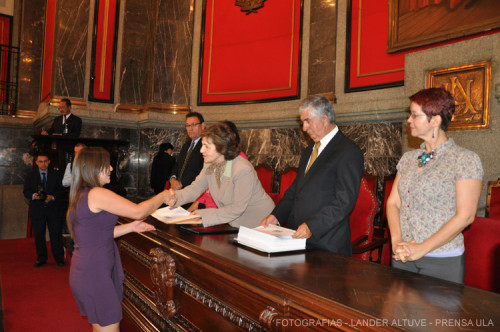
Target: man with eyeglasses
pixel 190 160
pixel 43 188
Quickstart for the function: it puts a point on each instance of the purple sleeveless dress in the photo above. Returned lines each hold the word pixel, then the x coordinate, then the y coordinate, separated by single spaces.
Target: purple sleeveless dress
pixel 96 275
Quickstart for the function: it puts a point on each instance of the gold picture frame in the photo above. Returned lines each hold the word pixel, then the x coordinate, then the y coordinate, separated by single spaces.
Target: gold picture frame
pixel 470 84
pixel 418 23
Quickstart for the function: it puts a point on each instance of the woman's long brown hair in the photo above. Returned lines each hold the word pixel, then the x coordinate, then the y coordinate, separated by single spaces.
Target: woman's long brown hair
pixel 85 173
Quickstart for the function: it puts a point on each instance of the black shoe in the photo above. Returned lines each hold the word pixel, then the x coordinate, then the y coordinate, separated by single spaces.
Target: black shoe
pixel 60 263
pixel 38 264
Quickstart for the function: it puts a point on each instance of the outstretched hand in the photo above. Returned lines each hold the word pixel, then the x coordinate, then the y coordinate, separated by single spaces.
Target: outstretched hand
pixel 140 226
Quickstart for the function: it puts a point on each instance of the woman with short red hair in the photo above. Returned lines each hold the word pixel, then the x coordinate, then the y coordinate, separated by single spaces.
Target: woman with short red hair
pixel 435 194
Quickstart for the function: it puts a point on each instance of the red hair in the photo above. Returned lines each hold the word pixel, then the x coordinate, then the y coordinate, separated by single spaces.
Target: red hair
pixel 436 101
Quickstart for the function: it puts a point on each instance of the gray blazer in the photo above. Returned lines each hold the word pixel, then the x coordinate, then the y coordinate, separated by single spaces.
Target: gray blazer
pixel 240 198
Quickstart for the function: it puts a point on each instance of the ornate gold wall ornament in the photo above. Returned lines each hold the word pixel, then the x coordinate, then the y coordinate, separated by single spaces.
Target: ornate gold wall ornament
pixel 470 84
pixel 250 6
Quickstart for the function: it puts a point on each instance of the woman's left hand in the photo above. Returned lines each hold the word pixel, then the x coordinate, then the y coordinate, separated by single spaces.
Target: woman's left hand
pixel 140 226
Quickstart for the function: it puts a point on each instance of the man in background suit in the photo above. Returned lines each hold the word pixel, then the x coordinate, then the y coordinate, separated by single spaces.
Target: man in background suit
pixel 43 189
pixel 190 160
pixel 319 201
pixel 66 124
pixel 161 168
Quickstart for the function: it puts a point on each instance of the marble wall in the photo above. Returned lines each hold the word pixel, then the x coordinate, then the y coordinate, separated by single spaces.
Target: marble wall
pixel 128 163
pixel 156 54
pixel 278 148
pixel 150 139
pixel 173 45
pixel 15 160
pixel 31 48
pixel 70 48
pixel 281 148
pixel 133 64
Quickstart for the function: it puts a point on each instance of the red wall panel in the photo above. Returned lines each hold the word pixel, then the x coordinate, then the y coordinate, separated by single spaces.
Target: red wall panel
pixel 104 50
pixel 4 61
pixel 370 64
pixel 253 56
pixel 48 47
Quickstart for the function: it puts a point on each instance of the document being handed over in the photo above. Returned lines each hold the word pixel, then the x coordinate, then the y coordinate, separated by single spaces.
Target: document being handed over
pixel 178 215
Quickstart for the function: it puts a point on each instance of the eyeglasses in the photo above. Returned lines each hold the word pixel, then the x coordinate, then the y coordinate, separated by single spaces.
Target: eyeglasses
pixel 414 116
pixel 192 125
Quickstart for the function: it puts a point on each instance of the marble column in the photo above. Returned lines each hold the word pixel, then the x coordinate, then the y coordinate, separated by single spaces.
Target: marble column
pixel 133 71
pixel 173 47
pixel 322 47
pixel 156 53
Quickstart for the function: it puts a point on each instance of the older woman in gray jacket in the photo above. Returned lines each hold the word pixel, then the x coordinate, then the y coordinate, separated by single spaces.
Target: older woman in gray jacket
pixel 231 179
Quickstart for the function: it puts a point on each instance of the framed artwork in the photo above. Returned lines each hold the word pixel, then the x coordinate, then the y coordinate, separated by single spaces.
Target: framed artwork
pixel 415 23
pixel 470 84
pixel 368 65
pixel 250 52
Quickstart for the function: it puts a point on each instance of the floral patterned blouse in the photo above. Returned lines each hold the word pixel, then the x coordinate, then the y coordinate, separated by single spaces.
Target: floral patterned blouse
pixel 428 197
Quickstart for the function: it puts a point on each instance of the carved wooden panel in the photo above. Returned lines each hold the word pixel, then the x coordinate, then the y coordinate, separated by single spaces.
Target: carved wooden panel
pixel 163 277
pixel 205 283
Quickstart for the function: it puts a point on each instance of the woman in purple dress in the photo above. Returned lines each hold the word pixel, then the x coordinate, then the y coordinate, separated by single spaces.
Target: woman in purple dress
pixel 96 275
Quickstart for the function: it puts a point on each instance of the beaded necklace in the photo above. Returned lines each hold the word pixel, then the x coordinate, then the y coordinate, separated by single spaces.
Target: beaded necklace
pixel 424 158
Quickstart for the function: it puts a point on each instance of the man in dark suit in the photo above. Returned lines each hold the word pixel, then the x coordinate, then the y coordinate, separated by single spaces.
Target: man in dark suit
pixel 319 201
pixel 66 124
pixel 161 168
pixel 190 160
pixel 43 189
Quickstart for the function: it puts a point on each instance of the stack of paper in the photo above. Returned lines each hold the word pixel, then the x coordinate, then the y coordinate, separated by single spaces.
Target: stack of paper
pixel 178 215
pixel 270 239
